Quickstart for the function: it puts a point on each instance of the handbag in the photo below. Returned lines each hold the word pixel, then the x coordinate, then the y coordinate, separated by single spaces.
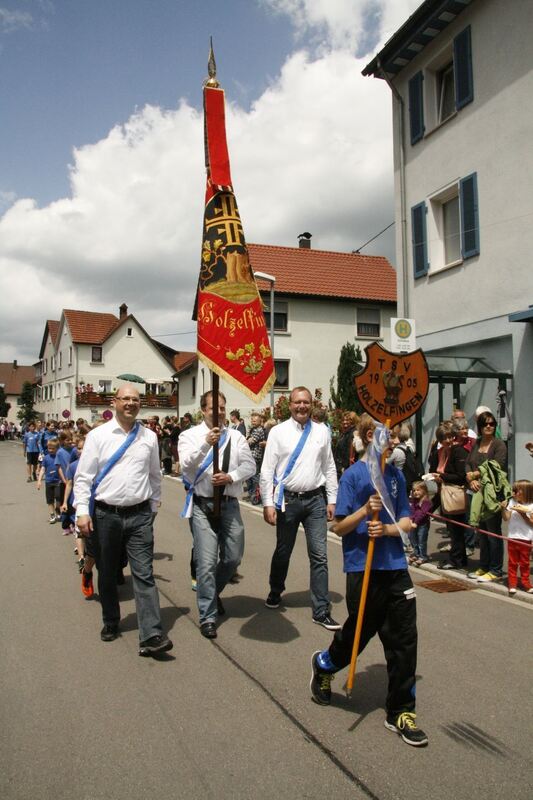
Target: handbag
pixel 452 498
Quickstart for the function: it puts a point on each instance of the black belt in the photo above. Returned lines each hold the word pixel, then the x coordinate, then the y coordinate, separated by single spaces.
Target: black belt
pixel 124 510
pixel 198 499
pixel 304 495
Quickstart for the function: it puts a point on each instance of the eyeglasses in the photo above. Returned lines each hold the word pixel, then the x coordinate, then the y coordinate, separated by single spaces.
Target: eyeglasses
pixel 489 424
pixel 128 400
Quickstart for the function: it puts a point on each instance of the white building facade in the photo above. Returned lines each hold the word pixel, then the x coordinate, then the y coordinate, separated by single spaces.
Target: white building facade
pixel 461 76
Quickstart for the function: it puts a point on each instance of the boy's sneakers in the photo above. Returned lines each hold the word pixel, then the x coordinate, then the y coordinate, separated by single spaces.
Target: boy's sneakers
pixel 87 587
pixel 52 519
pixel 320 684
pixel 512 591
pixel 273 600
pixel 327 622
pixel 488 577
pixel 405 725
pixel 155 645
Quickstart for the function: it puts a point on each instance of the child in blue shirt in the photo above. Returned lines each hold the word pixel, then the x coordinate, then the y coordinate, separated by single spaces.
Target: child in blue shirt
pixel 52 482
pixel 391 605
pixel 30 450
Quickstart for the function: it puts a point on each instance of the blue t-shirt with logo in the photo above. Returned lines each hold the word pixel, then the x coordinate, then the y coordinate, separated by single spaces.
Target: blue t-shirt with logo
pixel 51 472
pixel 31 441
pixel 355 488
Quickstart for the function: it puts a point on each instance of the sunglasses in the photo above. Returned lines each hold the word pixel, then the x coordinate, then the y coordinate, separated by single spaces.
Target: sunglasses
pixel 489 424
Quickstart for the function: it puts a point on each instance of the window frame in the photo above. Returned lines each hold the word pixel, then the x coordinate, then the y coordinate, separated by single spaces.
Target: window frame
pixel 282 312
pixel 277 384
pixel 367 334
pixel 94 348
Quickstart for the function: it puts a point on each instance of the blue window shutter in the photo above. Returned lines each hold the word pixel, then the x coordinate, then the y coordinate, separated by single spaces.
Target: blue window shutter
pixel 419 240
pixel 416 107
pixel 462 69
pixel 469 216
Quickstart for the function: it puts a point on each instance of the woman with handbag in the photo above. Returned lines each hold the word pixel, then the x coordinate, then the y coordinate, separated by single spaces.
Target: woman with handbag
pixel 487 448
pixel 448 466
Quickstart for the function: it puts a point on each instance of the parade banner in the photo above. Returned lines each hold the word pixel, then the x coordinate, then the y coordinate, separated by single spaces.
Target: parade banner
pixel 232 333
pixel 393 386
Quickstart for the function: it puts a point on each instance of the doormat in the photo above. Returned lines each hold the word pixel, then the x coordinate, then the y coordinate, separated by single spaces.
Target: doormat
pixel 443 585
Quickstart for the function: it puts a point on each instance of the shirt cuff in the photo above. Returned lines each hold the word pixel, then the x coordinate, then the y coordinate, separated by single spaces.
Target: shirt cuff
pixel 82 510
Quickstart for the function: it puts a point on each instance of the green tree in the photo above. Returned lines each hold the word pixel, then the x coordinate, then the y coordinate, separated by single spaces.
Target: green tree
pixel 350 363
pixel 4 405
pixel 26 412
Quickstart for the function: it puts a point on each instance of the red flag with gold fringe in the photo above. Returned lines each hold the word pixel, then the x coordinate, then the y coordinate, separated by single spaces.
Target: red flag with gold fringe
pixel 232 334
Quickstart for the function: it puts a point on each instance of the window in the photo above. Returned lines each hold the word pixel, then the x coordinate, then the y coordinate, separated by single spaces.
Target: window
pixel 53 363
pixel 416 107
pixel 451 233
pixel 193 386
pixel 104 387
pixel 60 359
pixel 281 315
pixel 45 366
pixel 70 356
pixel 58 390
pixel 445 87
pixel 368 322
pixel 130 332
pixel 445 92
pixel 282 373
pixel 96 355
pixel 451 230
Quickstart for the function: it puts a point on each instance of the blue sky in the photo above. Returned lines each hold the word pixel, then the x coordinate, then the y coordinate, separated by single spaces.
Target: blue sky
pixel 80 66
pixel 101 146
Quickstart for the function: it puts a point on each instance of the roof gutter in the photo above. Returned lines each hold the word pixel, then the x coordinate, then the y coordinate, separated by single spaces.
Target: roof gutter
pixel 403 311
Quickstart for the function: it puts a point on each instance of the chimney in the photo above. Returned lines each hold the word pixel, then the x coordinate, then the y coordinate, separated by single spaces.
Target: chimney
pixel 15 365
pixel 123 311
pixel 304 240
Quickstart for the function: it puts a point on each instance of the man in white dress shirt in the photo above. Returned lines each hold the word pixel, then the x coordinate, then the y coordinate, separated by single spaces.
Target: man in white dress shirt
pixel 218 543
pixel 125 504
pixel 306 494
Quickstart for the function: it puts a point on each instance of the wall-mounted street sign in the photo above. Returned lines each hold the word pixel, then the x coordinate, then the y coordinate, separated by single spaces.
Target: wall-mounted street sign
pixel 402 335
pixel 392 386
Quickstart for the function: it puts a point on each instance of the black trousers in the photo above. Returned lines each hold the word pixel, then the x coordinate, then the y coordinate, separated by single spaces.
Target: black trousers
pixel 457 537
pixel 391 613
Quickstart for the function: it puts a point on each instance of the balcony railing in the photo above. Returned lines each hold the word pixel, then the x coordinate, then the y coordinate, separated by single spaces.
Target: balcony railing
pixel 104 399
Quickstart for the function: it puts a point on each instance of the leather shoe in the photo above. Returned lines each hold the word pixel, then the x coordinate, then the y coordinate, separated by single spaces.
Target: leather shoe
pixel 220 608
pixel 109 633
pixel 208 629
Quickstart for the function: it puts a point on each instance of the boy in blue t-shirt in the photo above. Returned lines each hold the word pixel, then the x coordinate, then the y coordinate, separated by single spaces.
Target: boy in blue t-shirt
pixel 52 482
pixel 30 450
pixel 391 601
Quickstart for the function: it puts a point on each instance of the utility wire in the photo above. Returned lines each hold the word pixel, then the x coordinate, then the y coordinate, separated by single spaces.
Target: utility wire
pixel 372 239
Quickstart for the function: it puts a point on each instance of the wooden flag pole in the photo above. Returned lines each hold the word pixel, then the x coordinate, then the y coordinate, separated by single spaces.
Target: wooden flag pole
pixel 364 592
pixel 217 490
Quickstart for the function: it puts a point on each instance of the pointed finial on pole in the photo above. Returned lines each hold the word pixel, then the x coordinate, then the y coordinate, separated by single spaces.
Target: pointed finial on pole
pixel 211 68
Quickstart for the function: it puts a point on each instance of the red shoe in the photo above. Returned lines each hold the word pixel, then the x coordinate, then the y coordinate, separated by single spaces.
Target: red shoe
pixel 87 584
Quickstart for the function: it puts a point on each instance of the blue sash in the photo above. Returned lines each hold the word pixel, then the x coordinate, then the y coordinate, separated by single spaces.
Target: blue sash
pixel 279 502
pixel 206 463
pixel 117 455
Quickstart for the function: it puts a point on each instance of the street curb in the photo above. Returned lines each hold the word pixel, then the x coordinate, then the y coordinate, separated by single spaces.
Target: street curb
pixel 494 588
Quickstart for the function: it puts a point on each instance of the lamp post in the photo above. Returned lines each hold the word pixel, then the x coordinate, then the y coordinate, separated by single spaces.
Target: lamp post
pixel 176 382
pixel 272 280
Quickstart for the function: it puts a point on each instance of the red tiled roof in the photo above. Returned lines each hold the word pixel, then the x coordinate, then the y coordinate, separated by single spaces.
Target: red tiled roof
pixel 323 273
pixel 89 327
pixel 53 329
pixel 13 377
pixel 182 360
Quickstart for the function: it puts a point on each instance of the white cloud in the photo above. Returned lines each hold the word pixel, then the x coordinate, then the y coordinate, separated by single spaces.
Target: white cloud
pixel 14 20
pixel 358 25
pixel 312 153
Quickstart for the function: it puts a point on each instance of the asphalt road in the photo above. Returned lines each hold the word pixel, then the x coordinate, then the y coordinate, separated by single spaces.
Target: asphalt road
pixel 84 720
